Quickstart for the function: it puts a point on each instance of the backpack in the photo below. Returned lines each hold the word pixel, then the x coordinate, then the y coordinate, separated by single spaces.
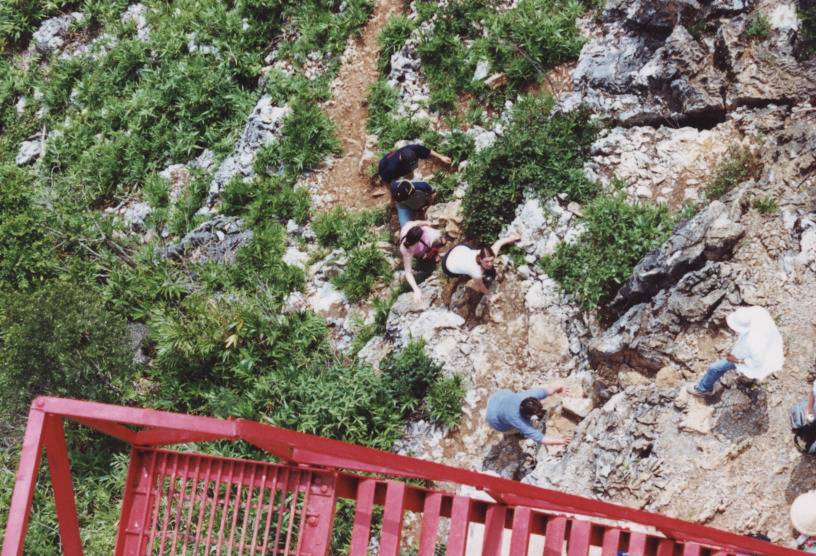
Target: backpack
pixel 804 433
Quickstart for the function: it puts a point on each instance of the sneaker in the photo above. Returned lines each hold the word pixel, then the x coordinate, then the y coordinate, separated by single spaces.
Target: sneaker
pixel 692 389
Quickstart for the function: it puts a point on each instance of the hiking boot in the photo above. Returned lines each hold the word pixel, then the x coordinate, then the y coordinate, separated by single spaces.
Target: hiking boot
pixel 692 389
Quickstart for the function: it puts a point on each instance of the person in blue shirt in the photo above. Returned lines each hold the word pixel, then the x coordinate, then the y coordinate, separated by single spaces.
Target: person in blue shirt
pixel 410 197
pixel 401 163
pixel 508 411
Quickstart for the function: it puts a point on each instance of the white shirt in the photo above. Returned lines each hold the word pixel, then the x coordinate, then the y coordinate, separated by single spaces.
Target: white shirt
pixel 759 343
pixel 462 260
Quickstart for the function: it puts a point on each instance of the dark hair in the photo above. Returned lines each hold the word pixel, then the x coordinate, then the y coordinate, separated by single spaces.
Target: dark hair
pixel 412 236
pixel 484 252
pixel 403 190
pixel 409 156
pixel 531 407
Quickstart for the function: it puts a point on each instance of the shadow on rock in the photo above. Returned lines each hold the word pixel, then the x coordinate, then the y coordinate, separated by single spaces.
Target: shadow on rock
pixel 510 459
pixel 741 412
pixel 802 478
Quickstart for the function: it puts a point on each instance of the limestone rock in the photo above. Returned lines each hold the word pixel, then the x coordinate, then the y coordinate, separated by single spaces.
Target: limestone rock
pixel 579 407
pixel 215 240
pixel 53 32
pixel 29 152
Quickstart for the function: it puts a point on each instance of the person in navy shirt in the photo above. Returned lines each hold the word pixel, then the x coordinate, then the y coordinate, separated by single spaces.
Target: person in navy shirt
pixel 401 163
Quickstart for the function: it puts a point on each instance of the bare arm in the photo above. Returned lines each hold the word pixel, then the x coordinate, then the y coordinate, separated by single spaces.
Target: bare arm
pixel 809 408
pixel 504 241
pixel 440 157
pixel 556 388
pixel 407 261
pixel 556 440
pixel 414 223
pixel 480 285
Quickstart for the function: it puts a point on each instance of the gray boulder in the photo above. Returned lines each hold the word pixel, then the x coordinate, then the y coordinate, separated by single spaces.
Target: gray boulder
pixel 29 152
pixel 709 236
pixel 52 34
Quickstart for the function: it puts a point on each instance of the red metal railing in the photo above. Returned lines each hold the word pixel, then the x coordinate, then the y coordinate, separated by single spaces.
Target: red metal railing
pixel 180 503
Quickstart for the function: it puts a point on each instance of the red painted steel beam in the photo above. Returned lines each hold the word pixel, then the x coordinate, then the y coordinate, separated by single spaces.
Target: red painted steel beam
pixel 60 469
pixel 111 429
pixel 162 437
pixel 26 480
pixel 332 453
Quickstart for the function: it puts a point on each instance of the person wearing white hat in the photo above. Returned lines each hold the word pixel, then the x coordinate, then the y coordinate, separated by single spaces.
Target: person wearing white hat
pixel 803 518
pixel 757 353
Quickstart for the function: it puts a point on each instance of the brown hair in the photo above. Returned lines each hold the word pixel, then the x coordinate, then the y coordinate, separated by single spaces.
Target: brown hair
pixel 484 252
pixel 531 407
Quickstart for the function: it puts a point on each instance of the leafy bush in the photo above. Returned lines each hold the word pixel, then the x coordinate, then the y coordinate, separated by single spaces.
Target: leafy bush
pixel 538 152
pixel 738 166
pixel 458 146
pixel 445 399
pixel 27 254
pixel 260 262
pixel 766 205
pixel 758 27
pixel 183 216
pixel 410 373
pixel 618 234
pixel 806 10
pixel 382 101
pixel 266 199
pixel 395 32
pixel 366 265
pixel 308 136
pixel 342 228
pixel 534 36
pixel 60 341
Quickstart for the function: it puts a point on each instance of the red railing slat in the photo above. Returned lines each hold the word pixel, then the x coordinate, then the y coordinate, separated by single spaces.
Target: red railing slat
pixel 459 521
pixel 578 544
pixel 431 509
pixel 494 530
pixel 520 539
pixel 554 536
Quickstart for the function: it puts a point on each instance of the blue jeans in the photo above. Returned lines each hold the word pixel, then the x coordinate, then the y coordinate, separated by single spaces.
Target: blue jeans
pixel 404 214
pixel 714 374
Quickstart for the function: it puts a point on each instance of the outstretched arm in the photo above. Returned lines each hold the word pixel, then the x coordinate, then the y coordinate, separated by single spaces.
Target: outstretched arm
pixel 556 440
pixel 441 157
pixel 809 410
pixel 504 241
pixel 480 285
pixel 407 262
pixel 556 388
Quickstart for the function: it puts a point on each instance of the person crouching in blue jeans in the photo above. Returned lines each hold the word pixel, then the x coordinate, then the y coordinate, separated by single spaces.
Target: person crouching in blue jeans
pixel 510 412
pixel 757 353
pixel 410 197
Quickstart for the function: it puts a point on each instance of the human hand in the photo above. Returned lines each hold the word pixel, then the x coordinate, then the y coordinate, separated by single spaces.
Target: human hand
pixel 557 388
pixel 417 296
pixel 445 160
pixel 809 417
pixel 566 439
pixel 731 359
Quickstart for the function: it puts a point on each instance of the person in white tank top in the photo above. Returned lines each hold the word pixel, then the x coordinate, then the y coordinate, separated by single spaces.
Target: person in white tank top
pixel 465 261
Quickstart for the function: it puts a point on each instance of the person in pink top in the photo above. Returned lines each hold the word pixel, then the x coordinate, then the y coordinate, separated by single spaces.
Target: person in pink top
pixel 418 239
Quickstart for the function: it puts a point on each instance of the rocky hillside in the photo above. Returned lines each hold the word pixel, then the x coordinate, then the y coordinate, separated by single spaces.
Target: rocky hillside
pixel 188 224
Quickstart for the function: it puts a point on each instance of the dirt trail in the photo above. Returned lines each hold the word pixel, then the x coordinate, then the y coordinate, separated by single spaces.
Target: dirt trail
pixel 340 184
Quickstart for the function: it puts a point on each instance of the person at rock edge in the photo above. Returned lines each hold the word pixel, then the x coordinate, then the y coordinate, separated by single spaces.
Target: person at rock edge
pixel 401 163
pixel 513 412
pixel 463 261
pixel 410 197
pixel 418 239
pixel 757 353
pixel 803 519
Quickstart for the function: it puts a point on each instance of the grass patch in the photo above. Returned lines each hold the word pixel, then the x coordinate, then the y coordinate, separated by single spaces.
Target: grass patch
pixel 396 31
pixel 737 166
pixel 342 228
pixel 758 27
pixel 617 235
pixel 445 400
pixel 765 205
pixel 537 152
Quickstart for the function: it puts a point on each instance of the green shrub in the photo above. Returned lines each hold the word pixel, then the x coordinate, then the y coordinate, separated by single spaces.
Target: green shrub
pixel 341 228
pixel 382 101
pixel 758 27
pixel 395 32
pixel 445 400
pixel 410 373
pixel 806 39
pixel 766 205
pixel 618 234
pixel 27 253
pixel 308 136
pixel 537 152
pixel 533 37
pixel 366 265
pixel 183 214
pixel 458 145
pixel 738 166
pixel 260 262
pixel 59 340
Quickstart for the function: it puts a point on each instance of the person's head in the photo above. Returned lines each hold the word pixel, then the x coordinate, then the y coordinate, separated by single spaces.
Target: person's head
pixel 486 258
pixel 403 191
pixel 531 407
pixel 409 158
pixel 412 236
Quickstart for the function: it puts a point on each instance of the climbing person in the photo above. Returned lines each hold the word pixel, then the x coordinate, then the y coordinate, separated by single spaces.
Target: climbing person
pixel 410 197
pixel 803 519
pixel 512 412
pixel 421 241
pixel 803 422
pixel 757 353
pixel 475 263
pixel 401 163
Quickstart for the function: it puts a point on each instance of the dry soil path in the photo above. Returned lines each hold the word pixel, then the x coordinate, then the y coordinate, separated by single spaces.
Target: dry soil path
pixel 340 183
